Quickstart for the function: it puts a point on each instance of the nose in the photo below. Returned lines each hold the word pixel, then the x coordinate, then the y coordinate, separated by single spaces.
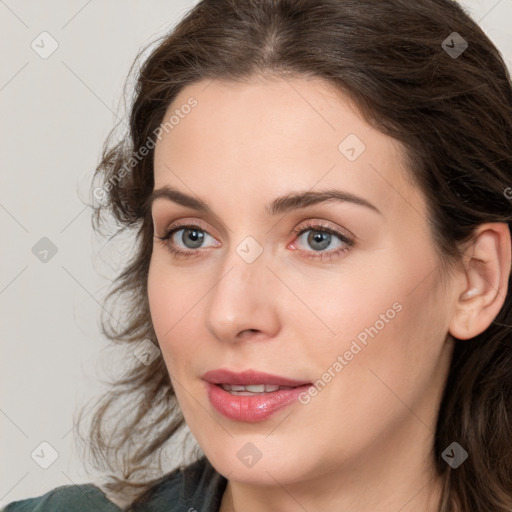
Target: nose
pixel 243 303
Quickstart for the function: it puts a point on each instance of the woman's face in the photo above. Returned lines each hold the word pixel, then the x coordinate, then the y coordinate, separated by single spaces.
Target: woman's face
pixel 344 293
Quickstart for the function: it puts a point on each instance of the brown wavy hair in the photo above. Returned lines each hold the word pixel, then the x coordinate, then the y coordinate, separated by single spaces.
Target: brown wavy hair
pixel 453 116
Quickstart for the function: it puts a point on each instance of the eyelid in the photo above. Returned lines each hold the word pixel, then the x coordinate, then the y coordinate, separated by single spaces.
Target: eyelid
pixel 310 223
pixel 183 223
pixel 163 216
pixel 316 223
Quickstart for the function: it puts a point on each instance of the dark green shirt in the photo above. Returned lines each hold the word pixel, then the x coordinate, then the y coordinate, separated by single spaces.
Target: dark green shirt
pixel 195 488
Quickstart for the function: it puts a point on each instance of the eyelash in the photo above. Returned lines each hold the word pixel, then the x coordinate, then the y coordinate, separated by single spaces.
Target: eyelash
pixel 310 226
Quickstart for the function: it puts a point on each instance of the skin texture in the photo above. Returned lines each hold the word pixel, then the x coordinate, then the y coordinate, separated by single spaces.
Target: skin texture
pixel 364 442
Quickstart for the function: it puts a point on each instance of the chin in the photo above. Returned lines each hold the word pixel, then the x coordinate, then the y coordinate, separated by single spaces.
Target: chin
pixel 244 461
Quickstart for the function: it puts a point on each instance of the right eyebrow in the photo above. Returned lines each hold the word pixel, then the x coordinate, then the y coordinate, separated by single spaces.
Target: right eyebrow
pixel 174 195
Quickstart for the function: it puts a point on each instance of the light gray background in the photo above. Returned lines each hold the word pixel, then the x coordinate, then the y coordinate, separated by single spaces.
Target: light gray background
pixel 55 115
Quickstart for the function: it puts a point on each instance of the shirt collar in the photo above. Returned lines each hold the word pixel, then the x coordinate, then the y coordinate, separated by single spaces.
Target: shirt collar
pixel 202 487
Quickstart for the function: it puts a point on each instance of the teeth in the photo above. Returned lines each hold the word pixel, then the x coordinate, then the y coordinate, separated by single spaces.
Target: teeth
pixel 236 389
pixel 257 388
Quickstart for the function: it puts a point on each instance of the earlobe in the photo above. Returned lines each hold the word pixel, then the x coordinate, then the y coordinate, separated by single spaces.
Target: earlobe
pixel 486 270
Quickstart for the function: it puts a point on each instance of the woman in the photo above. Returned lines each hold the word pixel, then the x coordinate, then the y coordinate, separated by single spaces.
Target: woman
pixel 321 282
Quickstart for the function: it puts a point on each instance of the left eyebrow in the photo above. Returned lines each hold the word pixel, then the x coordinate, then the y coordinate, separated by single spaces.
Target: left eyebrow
pixel 283 204
pixel 298 200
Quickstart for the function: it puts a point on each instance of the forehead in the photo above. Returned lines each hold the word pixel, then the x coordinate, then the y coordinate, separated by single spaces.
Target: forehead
pixel 275 135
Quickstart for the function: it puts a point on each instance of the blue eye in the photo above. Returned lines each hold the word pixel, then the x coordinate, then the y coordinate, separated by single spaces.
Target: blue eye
pixel 319 239
pixel 192 237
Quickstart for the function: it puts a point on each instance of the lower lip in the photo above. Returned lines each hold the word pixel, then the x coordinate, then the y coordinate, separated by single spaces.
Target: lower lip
pixel 252 408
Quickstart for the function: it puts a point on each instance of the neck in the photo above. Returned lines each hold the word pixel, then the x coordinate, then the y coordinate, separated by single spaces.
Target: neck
pixel 422 499
pixel 386 487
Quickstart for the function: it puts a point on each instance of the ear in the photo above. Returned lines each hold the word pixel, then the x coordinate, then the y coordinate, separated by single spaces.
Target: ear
pixel 484 280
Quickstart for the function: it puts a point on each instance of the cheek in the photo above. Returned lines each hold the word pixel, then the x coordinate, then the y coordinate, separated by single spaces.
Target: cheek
pixel 382 323
pixel 174 297
pixel 341 305
pixel 373 372
pixel 398 349
pixel 173 291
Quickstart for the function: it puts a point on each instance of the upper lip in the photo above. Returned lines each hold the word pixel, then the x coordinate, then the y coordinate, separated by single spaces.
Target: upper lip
pixel 249 377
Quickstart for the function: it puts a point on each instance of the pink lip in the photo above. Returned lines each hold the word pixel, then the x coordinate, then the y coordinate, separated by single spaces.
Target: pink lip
pixel 249 377
pixel 255 408
pixel 251 408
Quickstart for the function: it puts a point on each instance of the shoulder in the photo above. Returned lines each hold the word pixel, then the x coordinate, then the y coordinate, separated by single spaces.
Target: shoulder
pixel 197 486
pixel 68 497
